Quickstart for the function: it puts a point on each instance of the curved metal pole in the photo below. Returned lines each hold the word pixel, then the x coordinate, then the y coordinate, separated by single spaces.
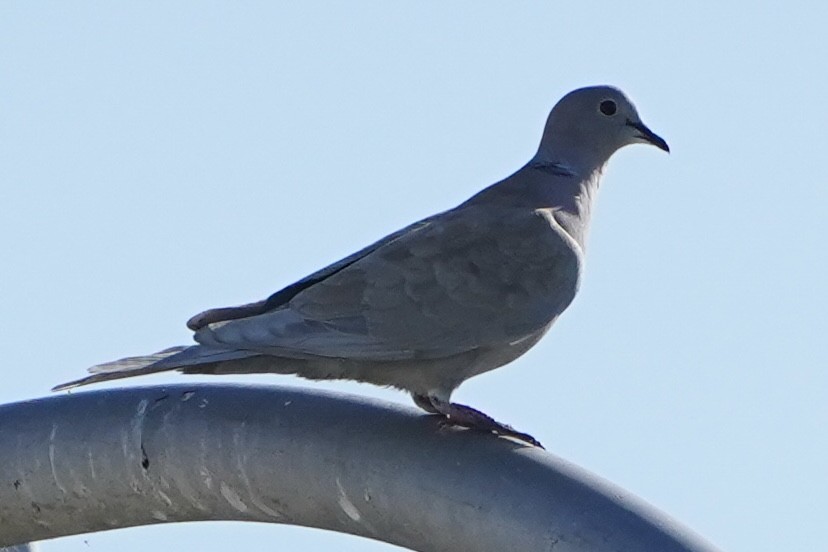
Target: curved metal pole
pixel 118 458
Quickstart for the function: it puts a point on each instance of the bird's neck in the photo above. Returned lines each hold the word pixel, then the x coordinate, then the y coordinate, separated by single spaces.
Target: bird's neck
pixel 574 212
pixel 565 188
pixel 570 191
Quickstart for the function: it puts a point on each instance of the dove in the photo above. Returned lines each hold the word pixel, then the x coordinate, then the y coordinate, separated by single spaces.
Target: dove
pixel 449 297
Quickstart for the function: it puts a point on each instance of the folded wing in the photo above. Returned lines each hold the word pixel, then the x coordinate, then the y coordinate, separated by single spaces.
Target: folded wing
pixel 467 278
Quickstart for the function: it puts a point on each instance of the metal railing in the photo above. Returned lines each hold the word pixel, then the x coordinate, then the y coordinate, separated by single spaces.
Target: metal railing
pixel 99 460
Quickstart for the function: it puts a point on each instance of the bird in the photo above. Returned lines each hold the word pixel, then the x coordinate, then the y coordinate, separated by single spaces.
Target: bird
pixel 449 297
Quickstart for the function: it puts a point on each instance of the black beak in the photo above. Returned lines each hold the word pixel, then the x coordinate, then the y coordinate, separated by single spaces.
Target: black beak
pixel 648 135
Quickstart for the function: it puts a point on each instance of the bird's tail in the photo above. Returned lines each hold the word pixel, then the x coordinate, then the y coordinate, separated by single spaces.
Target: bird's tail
pixel 173 358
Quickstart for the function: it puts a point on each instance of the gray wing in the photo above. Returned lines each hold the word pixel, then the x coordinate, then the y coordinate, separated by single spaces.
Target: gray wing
pixel 281 297
pixel 467 278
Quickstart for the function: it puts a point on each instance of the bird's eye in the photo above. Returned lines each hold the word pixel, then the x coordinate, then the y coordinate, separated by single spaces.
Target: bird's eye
pixel 608 107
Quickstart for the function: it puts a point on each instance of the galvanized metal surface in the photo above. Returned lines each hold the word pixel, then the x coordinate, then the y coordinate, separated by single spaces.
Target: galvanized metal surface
pixel 108 459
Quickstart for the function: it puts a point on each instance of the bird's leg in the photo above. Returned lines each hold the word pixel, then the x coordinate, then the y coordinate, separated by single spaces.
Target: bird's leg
pixel 425 403
pixel 466 416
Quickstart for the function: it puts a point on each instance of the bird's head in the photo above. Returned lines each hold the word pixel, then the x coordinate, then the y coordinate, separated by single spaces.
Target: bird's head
pixel 588 125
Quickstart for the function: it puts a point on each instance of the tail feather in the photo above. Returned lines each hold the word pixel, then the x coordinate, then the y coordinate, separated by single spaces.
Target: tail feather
pixel 162 361
pixel 135 363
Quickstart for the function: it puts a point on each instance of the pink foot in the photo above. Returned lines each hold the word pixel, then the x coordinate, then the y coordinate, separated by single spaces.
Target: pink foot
pixel 466 416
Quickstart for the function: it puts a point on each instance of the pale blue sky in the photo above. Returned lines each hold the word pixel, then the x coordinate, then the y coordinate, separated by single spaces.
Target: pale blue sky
pixel 159 158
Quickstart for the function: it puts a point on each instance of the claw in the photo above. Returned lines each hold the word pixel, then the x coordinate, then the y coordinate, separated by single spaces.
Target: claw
pixel 466 416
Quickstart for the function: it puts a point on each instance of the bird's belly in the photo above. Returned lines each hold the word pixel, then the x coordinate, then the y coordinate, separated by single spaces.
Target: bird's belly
pixel 494 357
